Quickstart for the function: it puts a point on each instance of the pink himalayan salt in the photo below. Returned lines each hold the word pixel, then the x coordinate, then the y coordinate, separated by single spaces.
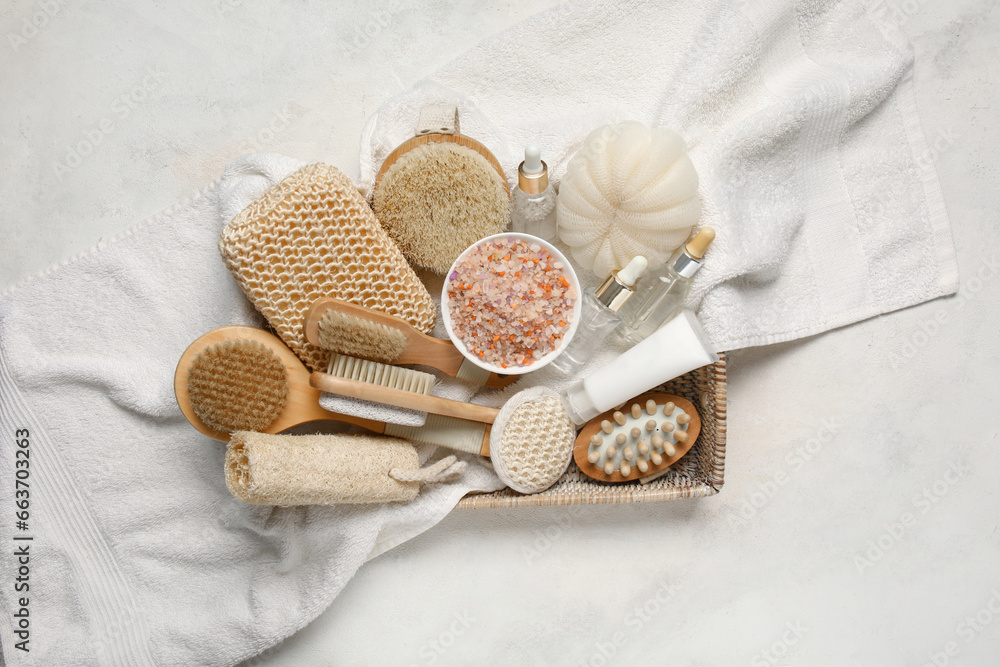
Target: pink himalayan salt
pixel 510 302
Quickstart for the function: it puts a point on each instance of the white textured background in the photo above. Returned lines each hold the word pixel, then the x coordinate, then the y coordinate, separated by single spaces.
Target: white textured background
pixel 859 521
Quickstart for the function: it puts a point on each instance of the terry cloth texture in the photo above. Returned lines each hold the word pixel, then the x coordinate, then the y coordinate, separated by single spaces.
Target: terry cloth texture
pixel 799 118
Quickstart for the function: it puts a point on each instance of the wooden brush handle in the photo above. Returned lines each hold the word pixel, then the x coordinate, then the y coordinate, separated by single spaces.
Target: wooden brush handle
pixel 402 399
pixel 420 348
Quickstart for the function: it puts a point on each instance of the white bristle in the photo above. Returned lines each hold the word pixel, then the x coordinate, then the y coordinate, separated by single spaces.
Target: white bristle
pixel 594 457
pixel 657 441
pixel 669 450
pixel 607 427
pixel 681 436
pixel 611 451
pixel 628 453
pixel 642 465
pixel 656 458
pixel 635 433
pixel 619 418
pixel 643 447
pixel 667 427
pixel 596 440
pixel 384 375
pixel 684 418
pixel 651 425
pixel 609 467
pixel 626 469
pixel 621 438
pixel 668 408
pixel 636 411
pixel 650 407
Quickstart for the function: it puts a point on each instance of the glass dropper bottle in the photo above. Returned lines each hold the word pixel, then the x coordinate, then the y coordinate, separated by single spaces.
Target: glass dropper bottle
pixel 662 293
pixel 599 315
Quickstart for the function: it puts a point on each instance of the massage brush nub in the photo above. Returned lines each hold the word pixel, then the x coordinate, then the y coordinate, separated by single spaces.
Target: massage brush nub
pixel 644 438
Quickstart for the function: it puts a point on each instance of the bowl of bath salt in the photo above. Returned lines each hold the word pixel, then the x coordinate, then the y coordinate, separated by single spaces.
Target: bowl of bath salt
pixel 511 303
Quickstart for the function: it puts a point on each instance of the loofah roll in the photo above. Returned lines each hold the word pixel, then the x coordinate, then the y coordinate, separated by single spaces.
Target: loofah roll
pixel 438 199
pixel 313 235
pixel 531 443
pixel 264 469
pixel 628 191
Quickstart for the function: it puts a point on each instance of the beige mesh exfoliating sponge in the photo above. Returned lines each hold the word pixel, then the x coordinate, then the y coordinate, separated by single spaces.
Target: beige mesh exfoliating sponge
pixel 628 191
pixel 313 235
pixel 437 194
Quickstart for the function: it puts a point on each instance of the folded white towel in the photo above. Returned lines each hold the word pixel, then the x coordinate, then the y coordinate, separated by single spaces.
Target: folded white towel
pixel 800 121
pixel 140 556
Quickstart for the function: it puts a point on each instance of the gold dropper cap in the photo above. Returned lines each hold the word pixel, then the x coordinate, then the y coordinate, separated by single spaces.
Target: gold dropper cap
pixel 699 244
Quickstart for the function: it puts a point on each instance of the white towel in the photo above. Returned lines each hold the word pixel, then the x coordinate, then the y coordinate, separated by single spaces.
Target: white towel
pixel 140 556
pixel 800 120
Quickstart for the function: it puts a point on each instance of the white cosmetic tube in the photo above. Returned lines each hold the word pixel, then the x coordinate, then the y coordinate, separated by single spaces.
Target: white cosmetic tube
pixel 679 346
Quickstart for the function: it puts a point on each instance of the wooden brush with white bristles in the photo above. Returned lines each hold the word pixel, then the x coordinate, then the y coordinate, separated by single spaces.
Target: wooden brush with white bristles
pixel 639 442
pixel 353 330
pixel 240 378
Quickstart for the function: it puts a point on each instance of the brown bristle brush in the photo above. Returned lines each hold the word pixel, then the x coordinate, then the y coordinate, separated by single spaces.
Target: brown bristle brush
pixel 349 329
pixel 240 378
pixel 530 449
pixel 440 192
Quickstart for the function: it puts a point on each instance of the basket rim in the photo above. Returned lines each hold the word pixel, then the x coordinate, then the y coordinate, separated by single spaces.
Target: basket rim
pixel 635 494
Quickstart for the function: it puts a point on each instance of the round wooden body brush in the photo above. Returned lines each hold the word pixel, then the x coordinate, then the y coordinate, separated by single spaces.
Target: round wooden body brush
pixel 357 331
pixel 438 193
pixel 240 378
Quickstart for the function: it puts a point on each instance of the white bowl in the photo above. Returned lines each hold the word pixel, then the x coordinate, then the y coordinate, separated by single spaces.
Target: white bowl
pixel 574 314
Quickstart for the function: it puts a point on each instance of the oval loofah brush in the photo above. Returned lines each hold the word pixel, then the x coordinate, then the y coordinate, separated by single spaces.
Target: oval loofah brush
pixel 346 328
pixel 436 194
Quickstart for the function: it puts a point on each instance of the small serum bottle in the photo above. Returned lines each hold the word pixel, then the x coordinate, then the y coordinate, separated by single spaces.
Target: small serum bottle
pixel 663 292
pixel 599 315
pixel 533 201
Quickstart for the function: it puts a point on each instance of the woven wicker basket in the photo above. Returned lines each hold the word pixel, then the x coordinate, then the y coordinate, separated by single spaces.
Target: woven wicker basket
pixel 696 475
